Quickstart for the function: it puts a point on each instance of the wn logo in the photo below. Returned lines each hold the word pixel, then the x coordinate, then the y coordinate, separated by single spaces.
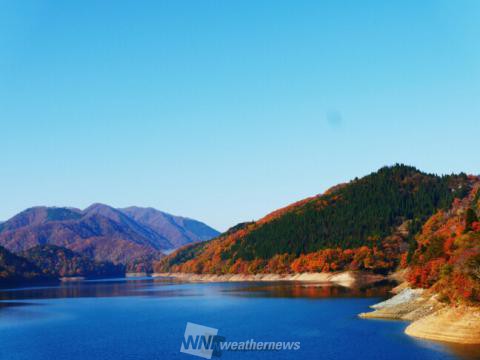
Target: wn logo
pixel 201 341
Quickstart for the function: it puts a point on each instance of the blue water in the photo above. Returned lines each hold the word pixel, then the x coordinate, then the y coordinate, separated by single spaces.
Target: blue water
pixel 146 319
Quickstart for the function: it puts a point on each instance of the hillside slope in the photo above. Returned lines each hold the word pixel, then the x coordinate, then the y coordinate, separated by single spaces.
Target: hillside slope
pixel 444 269
pixel 15 269
pixel 178 230
pixel 367 224
pixel 57 262
pixel 447 257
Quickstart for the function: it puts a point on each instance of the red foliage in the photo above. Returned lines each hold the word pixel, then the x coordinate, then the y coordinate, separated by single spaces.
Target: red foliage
pixel 476 226
pixel 448 255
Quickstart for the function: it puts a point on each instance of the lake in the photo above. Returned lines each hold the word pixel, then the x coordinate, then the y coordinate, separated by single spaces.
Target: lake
pixel 143 318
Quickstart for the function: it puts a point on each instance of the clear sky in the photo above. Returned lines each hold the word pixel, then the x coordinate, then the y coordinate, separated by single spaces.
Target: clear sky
pixel 225 110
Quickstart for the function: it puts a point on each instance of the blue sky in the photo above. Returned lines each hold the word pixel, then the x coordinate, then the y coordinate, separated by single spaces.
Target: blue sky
pixel 226 110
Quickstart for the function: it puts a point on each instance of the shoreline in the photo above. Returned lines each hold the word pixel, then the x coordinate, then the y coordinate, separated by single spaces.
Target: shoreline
pixel 344 278
pixel 136 274
pixel 72 278
pixel 430 319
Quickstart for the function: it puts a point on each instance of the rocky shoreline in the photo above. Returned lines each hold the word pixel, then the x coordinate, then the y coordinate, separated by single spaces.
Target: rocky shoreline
pixel 431 319
pixel 345 278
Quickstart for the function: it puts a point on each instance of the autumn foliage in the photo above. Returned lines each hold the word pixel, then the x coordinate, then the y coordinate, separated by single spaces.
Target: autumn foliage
pixel 396 218
pixel 448 255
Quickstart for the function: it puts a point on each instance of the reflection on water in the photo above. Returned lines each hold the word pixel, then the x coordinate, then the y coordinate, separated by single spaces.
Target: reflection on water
pixel 94 288
pixel 460 351
pixel 13 303
pixel 306 290
pixel 157 287
pixel 466 352
pixel 159 306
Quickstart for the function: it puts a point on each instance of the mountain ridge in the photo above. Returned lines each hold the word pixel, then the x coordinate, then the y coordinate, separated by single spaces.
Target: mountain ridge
pixel 182 230
pixel 99 231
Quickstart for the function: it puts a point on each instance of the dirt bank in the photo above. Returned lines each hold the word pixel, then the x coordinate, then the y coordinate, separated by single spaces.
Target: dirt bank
pixel 432 319
pixel 347 278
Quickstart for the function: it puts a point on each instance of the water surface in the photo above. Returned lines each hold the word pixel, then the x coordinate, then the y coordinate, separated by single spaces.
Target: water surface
pixel 145 319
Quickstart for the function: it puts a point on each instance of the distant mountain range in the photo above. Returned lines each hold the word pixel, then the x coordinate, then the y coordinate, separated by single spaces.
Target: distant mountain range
pixel 101 232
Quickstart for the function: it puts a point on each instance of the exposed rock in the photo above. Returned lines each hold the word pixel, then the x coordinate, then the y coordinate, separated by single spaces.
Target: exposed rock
pixel 399 288
pixel 407 305
pixel 404 296
pixel 432 319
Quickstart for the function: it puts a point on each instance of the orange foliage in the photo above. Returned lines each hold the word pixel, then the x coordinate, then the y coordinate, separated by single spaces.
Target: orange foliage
pixel 448 255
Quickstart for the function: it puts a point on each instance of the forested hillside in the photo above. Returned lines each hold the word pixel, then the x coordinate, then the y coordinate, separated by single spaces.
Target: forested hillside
pixel 369 223
pixel 15 269
pixel 447 258
pixel 56 261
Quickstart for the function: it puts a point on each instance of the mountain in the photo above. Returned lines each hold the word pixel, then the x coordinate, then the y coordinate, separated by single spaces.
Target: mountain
pixel 57 262
pixel 15 269
pixel 366 224
pixel 143 264
pixel 39 215
pixel 447 256
pixel 178 230
pixel 100 232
